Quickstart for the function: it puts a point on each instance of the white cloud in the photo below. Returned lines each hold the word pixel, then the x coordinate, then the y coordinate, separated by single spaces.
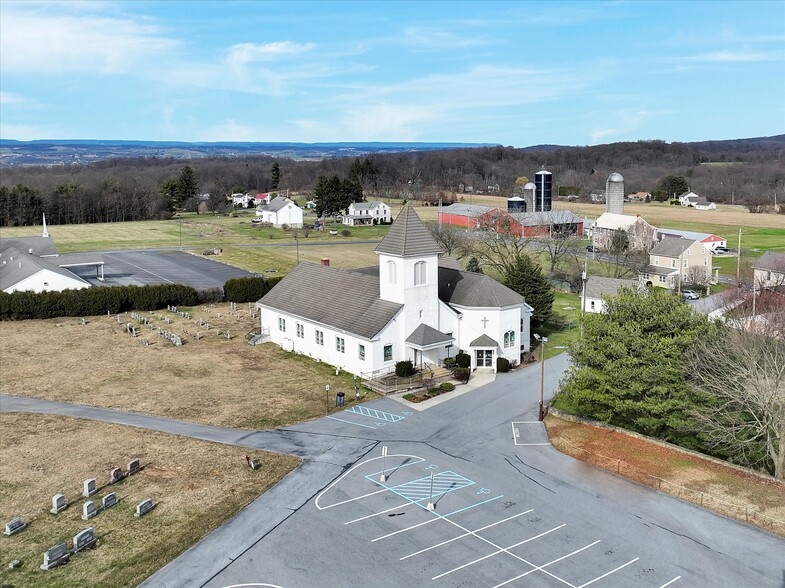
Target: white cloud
pixel 36 38
pixel 244 53
pixel 735 56
pixel 12 98
pixel 29 132
pixel 439 39
pixel 629 120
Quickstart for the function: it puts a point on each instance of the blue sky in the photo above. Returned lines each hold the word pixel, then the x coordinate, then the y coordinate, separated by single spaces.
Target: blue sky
pixel 515 73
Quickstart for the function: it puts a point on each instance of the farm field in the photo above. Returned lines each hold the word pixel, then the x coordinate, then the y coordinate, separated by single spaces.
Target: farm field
pixel 197 485
pixel 211 380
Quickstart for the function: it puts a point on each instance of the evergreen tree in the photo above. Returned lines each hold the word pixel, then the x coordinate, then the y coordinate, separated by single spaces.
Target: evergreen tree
pixel 526 278
pixel 473 265
pixel 186 185
pixel 629 368
pixel 275 175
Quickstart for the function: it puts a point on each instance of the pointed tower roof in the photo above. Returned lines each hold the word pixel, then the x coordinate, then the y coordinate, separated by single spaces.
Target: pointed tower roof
pixel 408 237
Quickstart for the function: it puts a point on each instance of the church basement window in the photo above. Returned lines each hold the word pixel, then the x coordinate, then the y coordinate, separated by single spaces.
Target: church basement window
pixel 319 337
pixel 300 331
pixel 340 344
pixel 361 351
pixel 388 353
pixel 282 324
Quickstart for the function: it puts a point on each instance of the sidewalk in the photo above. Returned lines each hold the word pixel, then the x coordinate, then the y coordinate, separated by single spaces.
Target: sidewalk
pixel 477 380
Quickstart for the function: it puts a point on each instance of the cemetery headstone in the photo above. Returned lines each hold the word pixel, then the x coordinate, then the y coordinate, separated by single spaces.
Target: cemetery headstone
pixel 134 467
pixel 14 526
pixel 55 556
pixel 14 564
pixel 88 510
pixel 89 487
pixel 115 475
pixel 144 507
pixel 84 539
pixel 58 503
pixel 109 500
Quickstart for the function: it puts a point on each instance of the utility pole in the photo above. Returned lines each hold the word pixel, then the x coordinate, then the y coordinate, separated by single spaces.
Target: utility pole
pixel 584 279
pixel 738 260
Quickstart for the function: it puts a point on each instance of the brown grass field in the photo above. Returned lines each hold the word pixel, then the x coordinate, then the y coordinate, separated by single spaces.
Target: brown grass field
pixel 212 380
pixel 197 485
pixel 723 489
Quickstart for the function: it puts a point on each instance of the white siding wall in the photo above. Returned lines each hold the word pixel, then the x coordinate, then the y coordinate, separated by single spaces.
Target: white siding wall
pixel 46 281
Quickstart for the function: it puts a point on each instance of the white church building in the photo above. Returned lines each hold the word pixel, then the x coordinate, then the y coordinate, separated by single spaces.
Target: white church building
pixel 411 306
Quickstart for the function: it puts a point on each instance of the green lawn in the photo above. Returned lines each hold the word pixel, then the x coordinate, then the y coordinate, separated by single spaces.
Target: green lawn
pixel 564 326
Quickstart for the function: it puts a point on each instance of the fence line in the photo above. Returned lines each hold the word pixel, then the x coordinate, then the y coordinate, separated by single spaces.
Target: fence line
pixel 747 513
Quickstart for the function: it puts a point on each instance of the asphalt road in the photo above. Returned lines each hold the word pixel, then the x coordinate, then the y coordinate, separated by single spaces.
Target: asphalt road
pixel 509 510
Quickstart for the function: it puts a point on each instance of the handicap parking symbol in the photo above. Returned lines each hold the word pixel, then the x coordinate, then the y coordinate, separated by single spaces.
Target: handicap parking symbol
pixel 484 491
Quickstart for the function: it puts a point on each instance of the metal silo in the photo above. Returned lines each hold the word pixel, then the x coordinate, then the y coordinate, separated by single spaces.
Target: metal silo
pixel 516 204
pixel 543 180
pixel 529 191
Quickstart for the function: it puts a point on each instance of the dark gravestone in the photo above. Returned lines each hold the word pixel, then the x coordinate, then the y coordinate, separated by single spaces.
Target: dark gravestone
pixel 133 467
pixel 109 500
pixel 115 475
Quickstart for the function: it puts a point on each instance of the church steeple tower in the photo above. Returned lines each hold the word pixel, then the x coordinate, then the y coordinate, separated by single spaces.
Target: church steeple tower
pixel 409 269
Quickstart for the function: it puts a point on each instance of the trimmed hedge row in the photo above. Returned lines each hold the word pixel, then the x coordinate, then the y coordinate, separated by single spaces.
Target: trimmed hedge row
pixel 248 289
pixel 94 301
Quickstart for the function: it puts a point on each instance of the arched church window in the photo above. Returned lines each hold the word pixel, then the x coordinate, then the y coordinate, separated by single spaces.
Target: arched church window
pixel 420 273
pixel 391 272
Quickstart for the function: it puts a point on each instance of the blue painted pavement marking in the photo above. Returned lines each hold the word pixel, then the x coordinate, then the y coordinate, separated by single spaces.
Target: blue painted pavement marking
pixel 443 482
pixel 376 414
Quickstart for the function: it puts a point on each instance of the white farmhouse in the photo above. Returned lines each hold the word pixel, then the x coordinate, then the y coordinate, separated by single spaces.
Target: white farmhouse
pixel 599 288
pixel 412 305
pixel 281 211
pixel 367 213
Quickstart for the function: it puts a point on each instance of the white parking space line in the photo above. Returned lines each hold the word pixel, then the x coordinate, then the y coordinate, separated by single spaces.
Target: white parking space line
pixel 609 573
pixel 497 552
pixel 351 423
pixel 428 522
pixel 543 566
pixel 139 268
pixel 516 433
pixel 376 514
pixel 353 499
pixel 671 582
pixel 466 534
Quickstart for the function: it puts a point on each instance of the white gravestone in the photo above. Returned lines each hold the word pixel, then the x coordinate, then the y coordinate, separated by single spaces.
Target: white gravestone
pixel 14 526
pixel 55 556
pixel 88 510
pixel 58 503
pixel 89 488
pixel 84 539
pixel 144 507
pixel 109 500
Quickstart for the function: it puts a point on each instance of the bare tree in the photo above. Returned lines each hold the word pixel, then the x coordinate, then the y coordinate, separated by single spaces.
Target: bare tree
pixel 562 237
pixel 452 240
pixel 742 375
pixel 499 251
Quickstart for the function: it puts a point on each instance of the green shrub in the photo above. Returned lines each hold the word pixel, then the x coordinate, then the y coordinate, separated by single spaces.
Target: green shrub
pixel 248 289
pixel 463 360
pixel 404 369
pixel 462 374
pixel 410 397
pixel 449 362
pixel 434 391
pixel 502 364
pixel 447 386
pixel 346 232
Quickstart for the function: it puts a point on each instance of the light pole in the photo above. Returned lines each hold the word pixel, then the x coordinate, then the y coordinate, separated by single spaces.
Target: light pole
pixel 543 341
pixel 297 245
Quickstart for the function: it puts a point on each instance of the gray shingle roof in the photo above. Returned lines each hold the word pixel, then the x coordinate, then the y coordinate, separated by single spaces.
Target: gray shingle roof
pixel 343 299
pixel 425 336
pixel 459 208
pixel 542 218
pixel 39 245
pixel 671 247
pixel 667 233
pixel 277 204
pixel 659 271
pixel 597 286
pixel 483 341
pixel 476 290
pixel 408 237
pixel 366 205
pixel 771 261
pixel 23 265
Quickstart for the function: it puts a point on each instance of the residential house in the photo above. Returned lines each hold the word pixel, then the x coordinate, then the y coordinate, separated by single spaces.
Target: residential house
pixel 281 211
pixel 412 305
pixel 599 288
pixel 692 200
pixel 689 198
pixel 709 241
pixel 641 235
pixel 674 262
pixel 368 213
pixel 704 204
pixel 769 271
pixel 639 197
pixel 597 196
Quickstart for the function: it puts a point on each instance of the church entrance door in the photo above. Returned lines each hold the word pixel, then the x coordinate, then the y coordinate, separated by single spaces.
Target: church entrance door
pixel 484 358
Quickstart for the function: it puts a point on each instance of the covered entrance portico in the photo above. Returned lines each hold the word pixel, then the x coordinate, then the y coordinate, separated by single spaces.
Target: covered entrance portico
pixel 428 345
pixel 483 352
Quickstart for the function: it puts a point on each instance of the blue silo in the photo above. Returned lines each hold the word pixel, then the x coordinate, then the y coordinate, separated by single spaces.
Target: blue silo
pixel 516 204
pixel 543 196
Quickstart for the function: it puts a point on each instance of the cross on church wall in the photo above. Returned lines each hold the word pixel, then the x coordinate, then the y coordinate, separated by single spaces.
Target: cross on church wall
pixel 484 323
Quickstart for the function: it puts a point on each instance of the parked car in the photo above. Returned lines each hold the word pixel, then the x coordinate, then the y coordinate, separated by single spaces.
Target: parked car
pixel 721 250
pixel 690 295
pixel 591 248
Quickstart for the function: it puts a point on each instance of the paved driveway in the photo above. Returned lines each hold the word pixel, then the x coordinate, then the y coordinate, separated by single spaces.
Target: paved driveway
pixel 508 510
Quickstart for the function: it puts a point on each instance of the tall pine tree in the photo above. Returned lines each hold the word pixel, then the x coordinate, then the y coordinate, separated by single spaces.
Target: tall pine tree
pixel 526 278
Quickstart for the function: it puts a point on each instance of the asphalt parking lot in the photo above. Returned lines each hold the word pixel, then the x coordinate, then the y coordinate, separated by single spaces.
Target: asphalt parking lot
pixel 141 268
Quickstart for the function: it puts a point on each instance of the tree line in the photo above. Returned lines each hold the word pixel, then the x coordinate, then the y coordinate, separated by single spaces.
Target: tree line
pixel 750 171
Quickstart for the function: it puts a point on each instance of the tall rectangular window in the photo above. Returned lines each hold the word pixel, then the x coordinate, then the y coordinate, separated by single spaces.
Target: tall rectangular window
pixel 420 274
pixel 361 351
pixel 339 344
pixel 388 353
pixel 319 337
pixel 300 331
pixel 281 324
